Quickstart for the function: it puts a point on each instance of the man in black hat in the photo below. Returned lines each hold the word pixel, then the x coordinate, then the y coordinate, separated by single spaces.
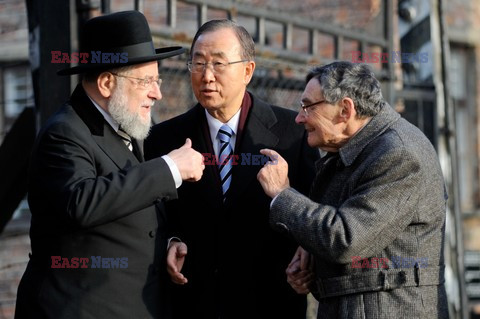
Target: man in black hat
pixel 98 226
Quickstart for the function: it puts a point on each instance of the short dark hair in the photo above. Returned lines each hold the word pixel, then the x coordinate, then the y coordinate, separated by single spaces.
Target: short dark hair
pixel 245 39
pixel 354 80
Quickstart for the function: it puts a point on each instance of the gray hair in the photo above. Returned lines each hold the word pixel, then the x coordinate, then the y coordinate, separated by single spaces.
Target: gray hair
pixel 354 80
pixel 91 77
pixel 245 39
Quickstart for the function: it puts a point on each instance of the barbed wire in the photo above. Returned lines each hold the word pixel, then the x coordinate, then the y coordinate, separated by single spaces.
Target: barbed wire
pixel 269 84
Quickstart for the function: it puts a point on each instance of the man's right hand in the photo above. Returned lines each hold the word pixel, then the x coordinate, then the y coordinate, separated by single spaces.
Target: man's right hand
pixel 189 162
pixel 175 259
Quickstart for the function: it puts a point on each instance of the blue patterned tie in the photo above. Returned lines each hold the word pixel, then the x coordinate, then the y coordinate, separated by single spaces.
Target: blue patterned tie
pixel 225 157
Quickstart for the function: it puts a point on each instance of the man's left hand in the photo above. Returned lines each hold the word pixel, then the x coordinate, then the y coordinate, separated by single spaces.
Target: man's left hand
pixel 274 175
pixel 175 259
pixel 299 272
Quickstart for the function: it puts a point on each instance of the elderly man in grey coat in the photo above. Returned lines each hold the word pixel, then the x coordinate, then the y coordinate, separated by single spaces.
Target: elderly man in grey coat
pixel 373 227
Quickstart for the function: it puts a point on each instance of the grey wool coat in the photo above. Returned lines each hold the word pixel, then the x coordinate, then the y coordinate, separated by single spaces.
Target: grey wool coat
pixel 375 224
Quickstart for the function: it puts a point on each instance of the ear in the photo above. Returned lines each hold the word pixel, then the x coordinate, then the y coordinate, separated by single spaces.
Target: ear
pixel 249 68
pixel 106 84
pixel 347 110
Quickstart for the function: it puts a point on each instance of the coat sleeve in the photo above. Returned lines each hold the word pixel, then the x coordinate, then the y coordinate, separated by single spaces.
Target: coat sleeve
pixel 382 203
pixel 69 180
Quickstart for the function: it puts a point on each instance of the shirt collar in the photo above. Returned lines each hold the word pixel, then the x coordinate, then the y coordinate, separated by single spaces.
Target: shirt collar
pixel 214 125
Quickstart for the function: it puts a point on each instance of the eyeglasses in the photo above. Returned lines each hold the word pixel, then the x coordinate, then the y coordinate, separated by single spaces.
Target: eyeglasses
pixel 143 82
pixel 304 107
pixel 217 67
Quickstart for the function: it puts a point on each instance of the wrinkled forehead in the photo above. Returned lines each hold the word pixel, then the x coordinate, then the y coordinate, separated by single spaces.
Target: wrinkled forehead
pixel 221 43
pixel 313 91
pixel 149 69
pixel 203 54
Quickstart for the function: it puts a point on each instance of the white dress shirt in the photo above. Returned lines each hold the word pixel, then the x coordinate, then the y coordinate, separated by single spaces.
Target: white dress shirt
pixel 214 125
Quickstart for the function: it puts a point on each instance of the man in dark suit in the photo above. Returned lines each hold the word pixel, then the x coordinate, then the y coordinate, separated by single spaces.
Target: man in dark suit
pixel 98 226
pixel 235 267
pixel 375 220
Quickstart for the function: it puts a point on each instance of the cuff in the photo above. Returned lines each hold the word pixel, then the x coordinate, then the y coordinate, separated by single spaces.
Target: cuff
pixel 273 199
pixel 174 170
pixel 172 239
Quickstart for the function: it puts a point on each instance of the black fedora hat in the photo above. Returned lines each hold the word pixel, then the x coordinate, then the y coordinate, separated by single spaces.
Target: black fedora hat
pixel 116 40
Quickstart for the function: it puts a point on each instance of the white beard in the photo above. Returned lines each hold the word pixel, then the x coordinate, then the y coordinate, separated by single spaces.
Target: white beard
pixel 131 123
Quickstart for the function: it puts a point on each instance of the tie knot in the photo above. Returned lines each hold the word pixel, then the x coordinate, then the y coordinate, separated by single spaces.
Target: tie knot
pixel 124 135
pixel 225 133
pixel 126 138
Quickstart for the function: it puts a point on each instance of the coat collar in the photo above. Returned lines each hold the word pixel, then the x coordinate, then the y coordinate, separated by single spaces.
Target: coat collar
pixel 377 125
pixel 255 135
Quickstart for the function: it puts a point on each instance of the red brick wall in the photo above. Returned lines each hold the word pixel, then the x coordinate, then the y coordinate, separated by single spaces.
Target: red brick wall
pixel 14 249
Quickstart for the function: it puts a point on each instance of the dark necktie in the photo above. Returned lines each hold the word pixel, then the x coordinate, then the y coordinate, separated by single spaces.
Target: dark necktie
pixel 225 133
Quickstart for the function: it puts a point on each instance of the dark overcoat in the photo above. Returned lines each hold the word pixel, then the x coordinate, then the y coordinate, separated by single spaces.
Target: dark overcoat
pixel 236 263
pixel 91 197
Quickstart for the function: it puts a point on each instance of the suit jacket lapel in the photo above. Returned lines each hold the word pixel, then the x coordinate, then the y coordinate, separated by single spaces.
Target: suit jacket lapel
pixel 102 133
pixel 256 135
pixel 200 135
pixel 115 148
pixel 138 150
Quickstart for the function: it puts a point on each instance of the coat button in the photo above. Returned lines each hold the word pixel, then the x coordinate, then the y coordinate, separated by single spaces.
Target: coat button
pixel 152 233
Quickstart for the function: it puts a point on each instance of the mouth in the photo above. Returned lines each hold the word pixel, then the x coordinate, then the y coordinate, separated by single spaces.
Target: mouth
pixel 309 129
pixel 148 105
pixel 208 91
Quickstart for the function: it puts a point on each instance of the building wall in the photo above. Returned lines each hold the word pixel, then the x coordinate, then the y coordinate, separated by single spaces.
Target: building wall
pixel 463 22
pixel 14 240
pixel 14 249
pixel 363 15
pixel 13 51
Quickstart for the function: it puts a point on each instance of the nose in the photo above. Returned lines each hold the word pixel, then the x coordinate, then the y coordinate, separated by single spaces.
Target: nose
pixel 300 118
pixel 207 74
pixel 154 92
